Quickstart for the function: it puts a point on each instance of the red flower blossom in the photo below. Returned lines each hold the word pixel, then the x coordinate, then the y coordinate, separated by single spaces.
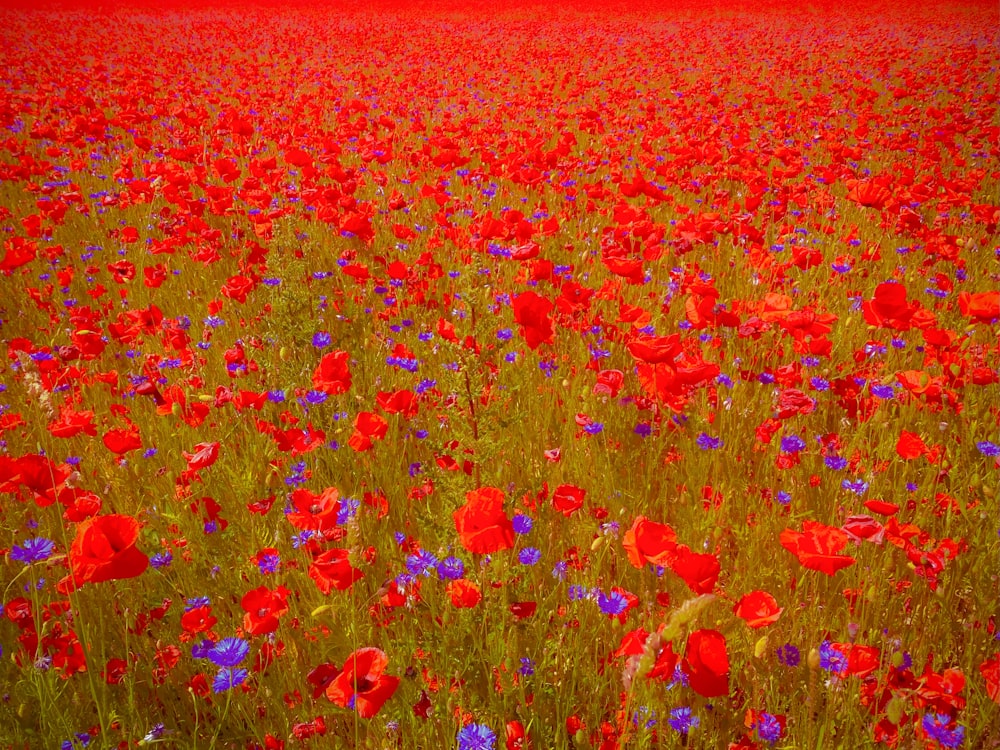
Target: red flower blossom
pixel 332 570
pixel 650 542
pixel 817 547
pixel 263 609
pixel 361 684
pixel 464 594
pixel 568 499
pixel 758 608
pixel 482 525
pixel 706 663
pixel 368 427
pixel 103 550
pixel 333 375
pixel 531 312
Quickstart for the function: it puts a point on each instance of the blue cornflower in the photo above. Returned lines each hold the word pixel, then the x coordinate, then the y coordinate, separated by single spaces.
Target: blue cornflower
pixel 32 550
pixel 594 428
pixel 505 334
pixel 227 679
pixel 683 720
pixel 269 563
pixel 529 555
pixel 527 667
pixel 522 523
pixel 789 655
pixel 198 601
pixel 837 463
pixel 321 339
pixel 819 384
pixel 988 449
pixel 559 570
pixel 936 726
pixel 708 443
pixel 161 560
pixel 421 563
pixel 883 391
pixel 202 649
pixel 831 659
pixel 792 444
pixel 229 652
pixel 450 568
pixel 612 604
pixel 476 737
pixel 768 727
pixel 643 429
pixel 858 486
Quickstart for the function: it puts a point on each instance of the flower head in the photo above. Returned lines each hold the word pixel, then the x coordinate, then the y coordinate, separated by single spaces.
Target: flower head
pixel 32 550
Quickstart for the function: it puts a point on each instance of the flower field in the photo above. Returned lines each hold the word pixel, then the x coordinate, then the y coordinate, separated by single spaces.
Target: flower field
pixel 443 375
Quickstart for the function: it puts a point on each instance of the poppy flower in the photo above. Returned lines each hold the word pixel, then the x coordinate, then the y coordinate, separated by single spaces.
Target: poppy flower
pixel 889 307
pixel 910 446
pixel 990 670
pixel 982 307
pixel 464 594
pixel 699 571
pixel 332 570
pixel 103 550
pixel 368 427
pixel 482 525
pixel 313 512
pixel 568 499
pixel 263 609
pixel 758 609
pixel 362 684
pixel 650 542
pixel 817 547
pixel 333 375
pixel 122 441
pixel 531 311
pixel 204 455
pixel 706 663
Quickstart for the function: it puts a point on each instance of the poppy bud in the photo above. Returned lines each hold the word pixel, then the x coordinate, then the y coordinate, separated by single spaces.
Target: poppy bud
pixel 284 354
pixel 813 659
pixel 760 648
pixel 176 409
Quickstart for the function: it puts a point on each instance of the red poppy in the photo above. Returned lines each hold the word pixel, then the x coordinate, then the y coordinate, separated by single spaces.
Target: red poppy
pixel 333 375
pixel 516 737
pixel 314 512
pixel 699 571
pixel 889 308
pixel 990 670
pixel 482 525
pixel 864 527
pixel 362 684
pixel 263 609
pixel 121 441
pixel 982 307
pixel 817 546
pixel 706 663
pixel 568 499
pixel 368 427
pixel 103 550
pixel 464 594
pixel 204 455
pixel 332 570
pixel 910 445
pixel 531 312
pixel 758 609
pixel 650 542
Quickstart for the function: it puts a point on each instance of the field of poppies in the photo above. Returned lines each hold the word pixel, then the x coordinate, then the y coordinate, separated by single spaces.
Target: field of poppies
pixel 432 375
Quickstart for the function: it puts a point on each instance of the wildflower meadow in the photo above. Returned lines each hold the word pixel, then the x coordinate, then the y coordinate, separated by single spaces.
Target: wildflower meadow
pixel 483 376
